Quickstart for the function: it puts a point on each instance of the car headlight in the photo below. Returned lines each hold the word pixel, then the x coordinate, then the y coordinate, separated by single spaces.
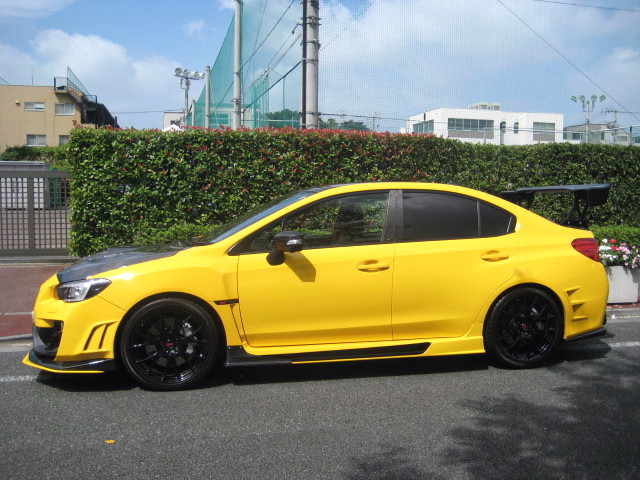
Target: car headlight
pixel 82 289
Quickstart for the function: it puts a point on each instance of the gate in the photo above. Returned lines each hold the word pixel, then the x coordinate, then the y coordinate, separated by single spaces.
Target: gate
pixel 34 213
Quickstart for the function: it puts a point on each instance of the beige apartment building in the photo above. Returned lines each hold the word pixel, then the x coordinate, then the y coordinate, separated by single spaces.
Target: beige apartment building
pixel 39 116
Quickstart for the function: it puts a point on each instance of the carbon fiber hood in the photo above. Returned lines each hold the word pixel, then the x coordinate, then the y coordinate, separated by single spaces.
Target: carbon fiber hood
pixel 113 258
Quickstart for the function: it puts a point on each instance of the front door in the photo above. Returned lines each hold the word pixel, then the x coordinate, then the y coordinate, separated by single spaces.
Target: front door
pixel 336 290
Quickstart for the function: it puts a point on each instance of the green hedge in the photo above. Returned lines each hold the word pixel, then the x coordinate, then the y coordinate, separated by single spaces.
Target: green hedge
pixel 619 233
pixel 133 185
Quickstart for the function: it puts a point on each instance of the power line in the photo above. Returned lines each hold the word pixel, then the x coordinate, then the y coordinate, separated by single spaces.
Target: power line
pixel 149 111
pixel 563 57
pixel 588 6
pixel 255 50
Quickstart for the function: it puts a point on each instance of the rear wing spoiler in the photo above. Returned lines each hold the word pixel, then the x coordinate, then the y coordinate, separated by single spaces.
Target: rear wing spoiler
pixel 584 197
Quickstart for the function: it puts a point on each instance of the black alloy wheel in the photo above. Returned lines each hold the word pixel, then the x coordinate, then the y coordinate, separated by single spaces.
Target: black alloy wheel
pixel 169 344
pixel 523 328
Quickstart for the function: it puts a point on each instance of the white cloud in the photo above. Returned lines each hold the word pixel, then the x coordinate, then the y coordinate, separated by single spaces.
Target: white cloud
pixel 395 56
pixel 10 54
pixel 194 28
pixel 226 4
pixel 31 8
pixel 123 83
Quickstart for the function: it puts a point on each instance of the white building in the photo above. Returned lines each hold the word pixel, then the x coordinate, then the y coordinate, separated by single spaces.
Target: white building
pixel 487 123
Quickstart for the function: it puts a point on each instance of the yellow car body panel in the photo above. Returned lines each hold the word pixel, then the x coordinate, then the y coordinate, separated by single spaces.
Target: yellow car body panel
pixel 440 286
pixel 343 298
pixel 323 296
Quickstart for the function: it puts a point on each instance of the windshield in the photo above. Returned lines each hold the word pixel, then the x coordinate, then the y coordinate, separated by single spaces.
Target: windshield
pixel 258 213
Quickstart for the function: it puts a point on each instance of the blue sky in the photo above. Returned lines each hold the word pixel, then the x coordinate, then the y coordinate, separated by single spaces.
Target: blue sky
pixel 392 58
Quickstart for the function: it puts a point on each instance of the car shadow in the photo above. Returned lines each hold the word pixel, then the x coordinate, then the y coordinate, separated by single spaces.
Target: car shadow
pixel 320 372
pixel 353 369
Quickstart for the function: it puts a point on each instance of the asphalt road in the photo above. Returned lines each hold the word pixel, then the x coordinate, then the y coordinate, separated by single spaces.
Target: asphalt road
pixel 434 418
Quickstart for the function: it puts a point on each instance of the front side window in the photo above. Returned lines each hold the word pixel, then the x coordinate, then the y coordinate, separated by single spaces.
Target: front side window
pixel 34 106
pixel 64 109
pixel 341 221
pixel 36 140
pixel 444 216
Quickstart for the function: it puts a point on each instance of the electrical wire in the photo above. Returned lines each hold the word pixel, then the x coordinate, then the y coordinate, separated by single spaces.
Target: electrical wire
pixel 588 6
pixel 563 56
pixel 255 50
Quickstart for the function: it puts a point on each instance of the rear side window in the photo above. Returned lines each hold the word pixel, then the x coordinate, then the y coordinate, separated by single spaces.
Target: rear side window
pixel 494 221
pixel 445 216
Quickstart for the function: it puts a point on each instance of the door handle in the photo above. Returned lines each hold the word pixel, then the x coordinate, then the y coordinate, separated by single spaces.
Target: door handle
pixel 494 256
pixel 373 267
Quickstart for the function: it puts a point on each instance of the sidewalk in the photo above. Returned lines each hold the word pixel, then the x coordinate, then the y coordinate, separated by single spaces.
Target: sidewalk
pixel 21 277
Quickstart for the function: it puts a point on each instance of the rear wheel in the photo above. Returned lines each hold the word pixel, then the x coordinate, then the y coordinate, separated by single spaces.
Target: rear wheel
pixel 169 344
pixel 523 328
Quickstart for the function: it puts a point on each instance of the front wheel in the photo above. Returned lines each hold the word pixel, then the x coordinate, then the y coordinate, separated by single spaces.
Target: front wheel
pixel 523 328
pixel 169 344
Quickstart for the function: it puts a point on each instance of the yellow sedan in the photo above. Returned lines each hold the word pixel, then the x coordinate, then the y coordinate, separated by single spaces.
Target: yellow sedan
pixel 342 272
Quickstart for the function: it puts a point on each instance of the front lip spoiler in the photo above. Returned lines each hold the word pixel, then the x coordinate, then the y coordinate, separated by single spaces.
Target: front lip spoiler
pixel 83 366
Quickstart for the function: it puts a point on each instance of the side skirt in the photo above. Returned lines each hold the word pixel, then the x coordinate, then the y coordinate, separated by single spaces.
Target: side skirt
pixel 238 357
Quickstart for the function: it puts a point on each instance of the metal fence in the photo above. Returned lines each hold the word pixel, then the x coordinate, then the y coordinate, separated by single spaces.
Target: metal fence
pixel 34 213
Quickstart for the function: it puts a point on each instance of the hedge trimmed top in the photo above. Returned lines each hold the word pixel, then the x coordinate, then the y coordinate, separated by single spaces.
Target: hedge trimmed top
pixel 127 182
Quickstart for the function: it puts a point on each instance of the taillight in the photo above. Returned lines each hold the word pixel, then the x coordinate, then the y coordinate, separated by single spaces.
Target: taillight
pixel 588 247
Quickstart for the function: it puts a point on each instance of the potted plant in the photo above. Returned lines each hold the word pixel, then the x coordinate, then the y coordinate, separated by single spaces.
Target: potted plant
pixel 622 263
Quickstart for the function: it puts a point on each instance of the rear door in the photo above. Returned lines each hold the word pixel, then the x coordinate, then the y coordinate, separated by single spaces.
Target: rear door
pixel 452 253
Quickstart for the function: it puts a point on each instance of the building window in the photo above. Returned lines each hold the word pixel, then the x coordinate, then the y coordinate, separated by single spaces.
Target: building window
pixel 65 109
pixel 62 139
pixel 34 106
pixel 544 132
pixel 470 124
pixel 623 138
pixel 423 127
pixel 576 136
pixel 516 127
pixel 541 127
pixel 36 140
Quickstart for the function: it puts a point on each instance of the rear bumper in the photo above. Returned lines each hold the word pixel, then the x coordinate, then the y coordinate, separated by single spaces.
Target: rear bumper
pixel 101 365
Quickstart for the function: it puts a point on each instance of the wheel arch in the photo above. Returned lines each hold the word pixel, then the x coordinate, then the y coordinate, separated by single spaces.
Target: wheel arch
pixel 165 295
pixel 539 286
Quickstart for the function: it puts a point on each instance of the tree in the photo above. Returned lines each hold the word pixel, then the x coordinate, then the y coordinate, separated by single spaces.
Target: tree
pixel 332 124
pixel 353 125
pixel 284 118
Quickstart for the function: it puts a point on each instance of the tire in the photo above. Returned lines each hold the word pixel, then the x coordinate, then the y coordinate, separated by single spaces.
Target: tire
pixel 523 328
pixel 169 344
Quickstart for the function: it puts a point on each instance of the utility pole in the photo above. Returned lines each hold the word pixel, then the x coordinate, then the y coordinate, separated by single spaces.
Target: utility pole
pixel 587 106
pixel 237 66
pixel 207 97
pixel 615 122
pixel 310 48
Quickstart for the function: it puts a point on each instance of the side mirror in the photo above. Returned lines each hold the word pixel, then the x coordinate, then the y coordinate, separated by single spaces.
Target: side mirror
pixel 289 242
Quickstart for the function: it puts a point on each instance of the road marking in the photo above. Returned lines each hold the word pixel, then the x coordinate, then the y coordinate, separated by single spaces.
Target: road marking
pixel 17 378
pixel 602 345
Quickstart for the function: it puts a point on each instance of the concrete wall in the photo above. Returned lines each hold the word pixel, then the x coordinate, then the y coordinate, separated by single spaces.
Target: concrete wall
pixel 16 122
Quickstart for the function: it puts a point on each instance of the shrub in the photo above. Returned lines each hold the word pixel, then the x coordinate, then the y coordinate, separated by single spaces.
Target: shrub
pixel 131 185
